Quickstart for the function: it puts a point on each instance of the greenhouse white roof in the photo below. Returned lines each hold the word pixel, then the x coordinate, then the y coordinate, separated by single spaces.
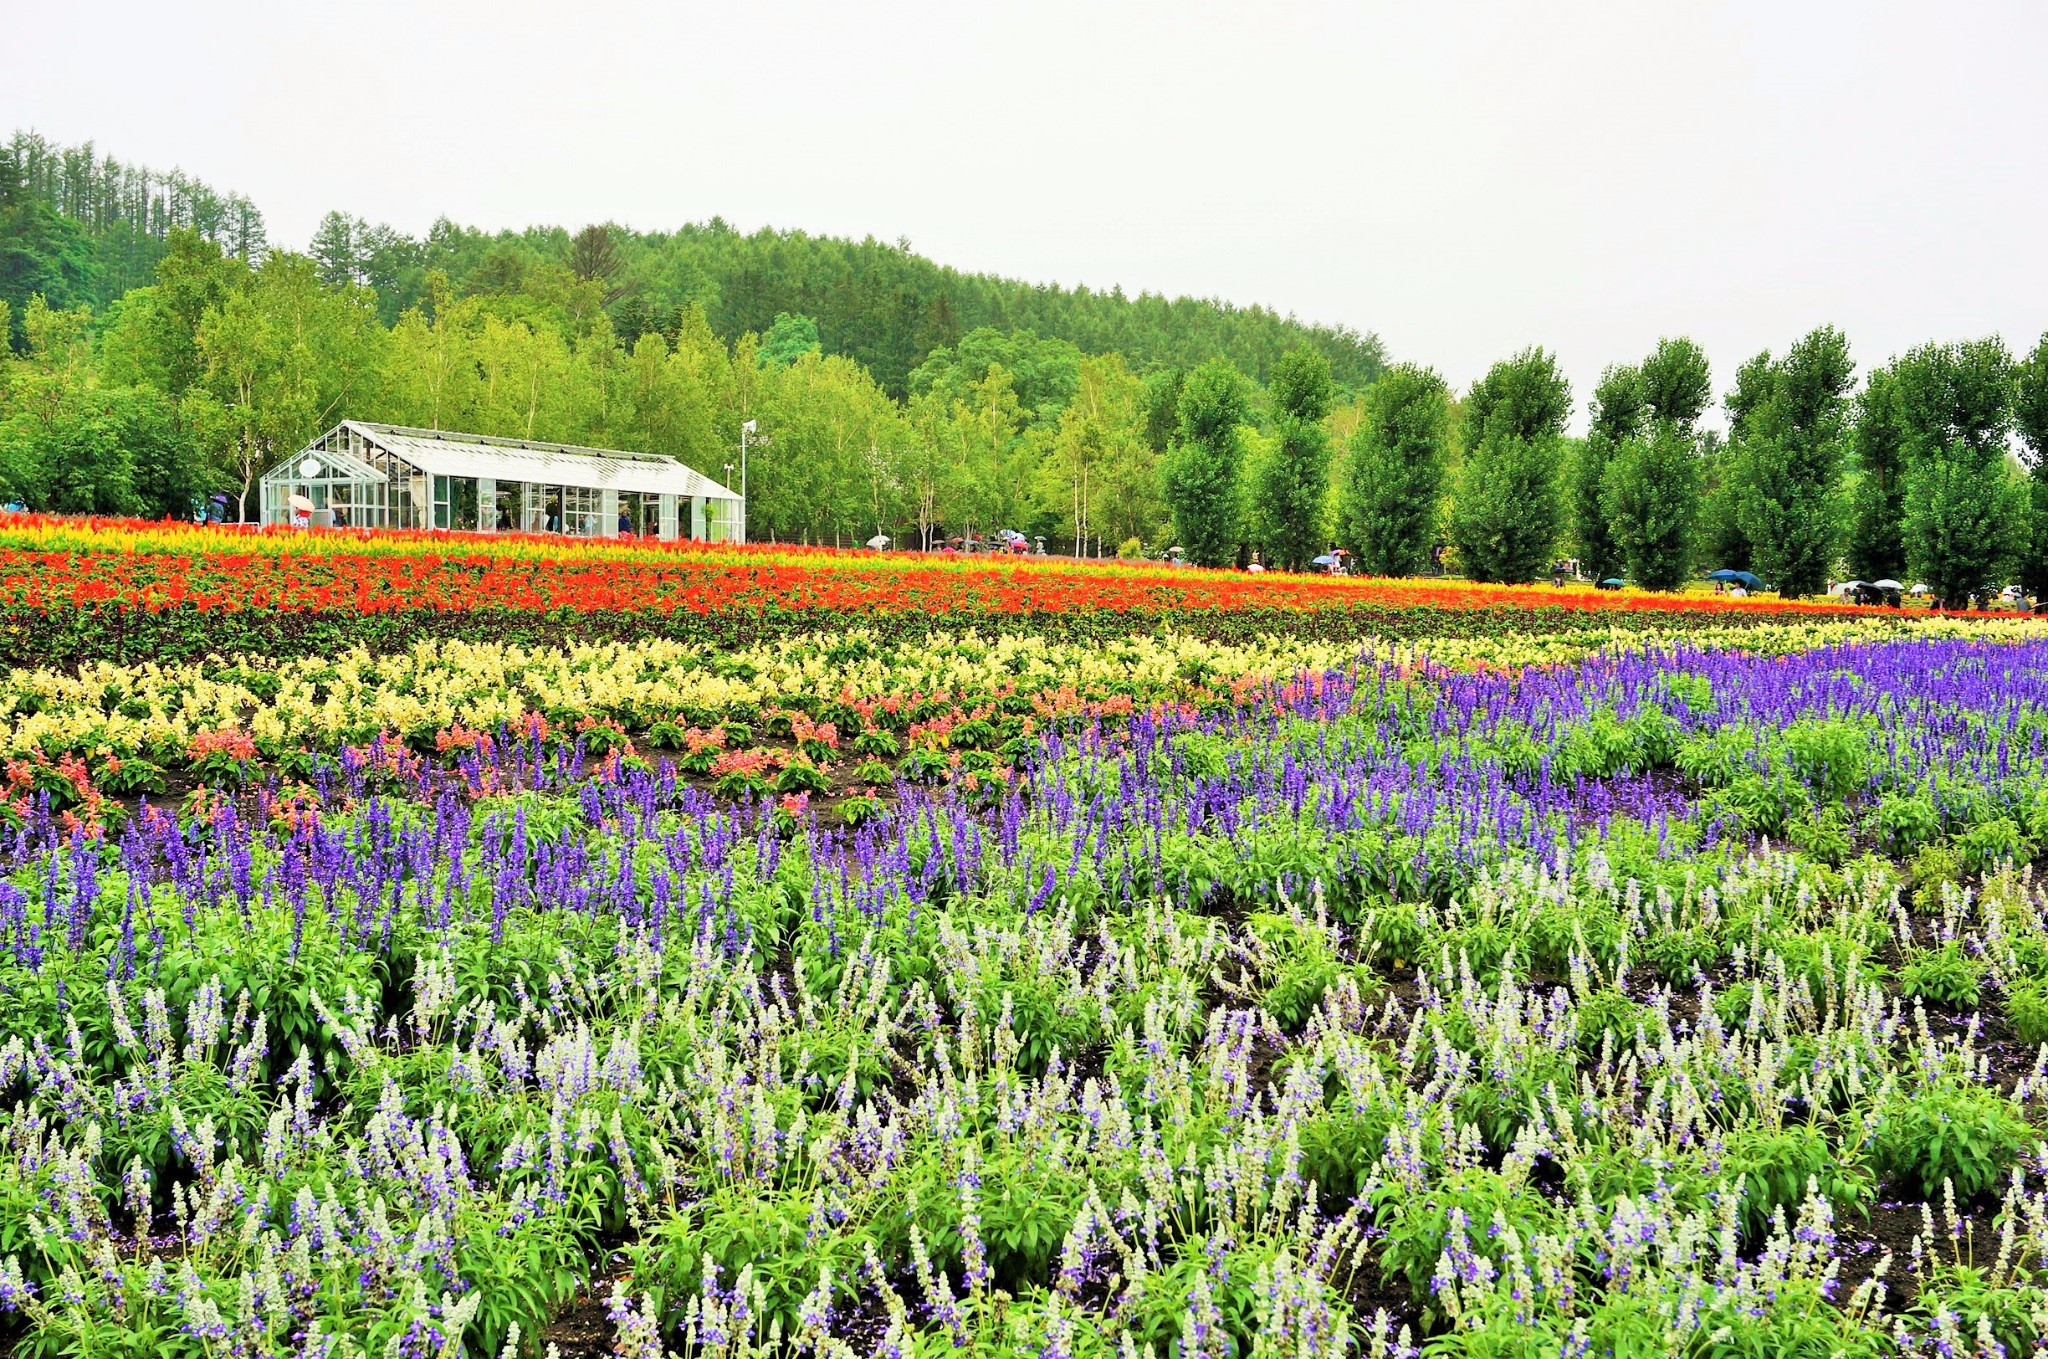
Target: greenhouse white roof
pixel 444 454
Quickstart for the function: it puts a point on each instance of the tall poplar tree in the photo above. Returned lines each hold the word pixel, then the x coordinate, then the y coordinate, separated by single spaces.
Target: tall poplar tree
pixel 1294 483
pixel 1393 473
pixel 1507 510
pixel 1963 518
pixel 1877 519
pixel 1202 466
pixel 1788 420
pixel 1650 490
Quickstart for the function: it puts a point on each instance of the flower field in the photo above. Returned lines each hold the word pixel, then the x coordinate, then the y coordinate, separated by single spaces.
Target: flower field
pixel 124 590
pixel 1665 984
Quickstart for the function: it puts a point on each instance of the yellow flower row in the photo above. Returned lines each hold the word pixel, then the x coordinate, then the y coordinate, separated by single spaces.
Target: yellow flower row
pixel 321 702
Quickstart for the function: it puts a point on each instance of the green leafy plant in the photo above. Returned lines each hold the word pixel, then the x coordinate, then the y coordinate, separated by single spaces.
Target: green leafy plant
pixel 1906 822
pixel 877 743
pixel 1947 976
pixel 1773 1167
pixel 1950 1132
pixel 2026 1009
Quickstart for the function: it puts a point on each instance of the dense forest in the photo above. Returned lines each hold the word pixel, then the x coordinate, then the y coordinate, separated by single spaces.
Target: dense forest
pixel 160 348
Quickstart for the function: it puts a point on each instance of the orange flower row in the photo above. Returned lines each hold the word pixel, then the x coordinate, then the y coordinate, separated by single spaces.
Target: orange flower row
pixel 53 564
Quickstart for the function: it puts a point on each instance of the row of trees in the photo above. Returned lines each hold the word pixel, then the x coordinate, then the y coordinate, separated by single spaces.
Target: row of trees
pixel 1916 474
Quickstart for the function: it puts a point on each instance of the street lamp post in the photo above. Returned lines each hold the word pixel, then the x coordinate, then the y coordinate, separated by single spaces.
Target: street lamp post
pixel 746 428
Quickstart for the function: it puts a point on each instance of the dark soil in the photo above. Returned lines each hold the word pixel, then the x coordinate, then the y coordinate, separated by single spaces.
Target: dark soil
pixel 583 1329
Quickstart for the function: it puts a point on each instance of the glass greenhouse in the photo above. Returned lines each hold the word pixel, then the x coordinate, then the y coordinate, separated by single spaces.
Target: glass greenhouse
pixel 388 476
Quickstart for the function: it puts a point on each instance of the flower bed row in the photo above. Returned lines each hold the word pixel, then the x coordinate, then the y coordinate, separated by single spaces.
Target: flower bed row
pixel 947 705
pixel 89 589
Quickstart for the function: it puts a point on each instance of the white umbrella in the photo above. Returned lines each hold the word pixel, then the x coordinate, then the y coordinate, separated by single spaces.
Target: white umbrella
pixel 879 541
pixel 302 505
pixel 1887 585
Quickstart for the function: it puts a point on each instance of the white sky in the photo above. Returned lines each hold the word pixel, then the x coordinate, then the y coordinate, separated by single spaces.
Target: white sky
pixel 1463 179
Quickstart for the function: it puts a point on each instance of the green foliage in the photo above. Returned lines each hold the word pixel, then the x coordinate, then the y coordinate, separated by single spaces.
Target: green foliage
pixel 1946 976
pixel 2030 418
pixel 1525 397
pixel 1676 383
pixel 1831 756
pixel 789 339
pixel 1822 834
pixel 1774 1166
pixel 1722 543
pixel 1877 545
pixel 1787 424
pixel 1964 1135
pixel 1417 1225
pixel 89 450
pixel 1650 492
pixel 1610 1019
pixel 2026 1009
pixel 1505 512
pixel 1393 473
pixel 1961 518
pixel 1294 482
pixel 1201 470
pixel 1618 414
pixel 1936 866
pixel 1964 521
pixel 1906 821
pixel 1993 841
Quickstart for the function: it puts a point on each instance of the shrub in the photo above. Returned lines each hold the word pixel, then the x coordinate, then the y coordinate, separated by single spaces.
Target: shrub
pixel 2026 1009
pixel 1831 757
pixel 1965 1135
pixel 1822 834
pixel 1609 1012
pixel 1934 867
pixel 1945 976
pixel 1906 822
pixel 1774 1166
pixel 1988 844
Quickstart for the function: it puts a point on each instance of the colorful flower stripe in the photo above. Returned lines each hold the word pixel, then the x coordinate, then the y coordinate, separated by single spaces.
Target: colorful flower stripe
pixel 59 564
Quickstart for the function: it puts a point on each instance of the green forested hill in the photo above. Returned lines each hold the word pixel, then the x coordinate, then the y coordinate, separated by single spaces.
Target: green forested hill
pixel 880 304
pixel 82 228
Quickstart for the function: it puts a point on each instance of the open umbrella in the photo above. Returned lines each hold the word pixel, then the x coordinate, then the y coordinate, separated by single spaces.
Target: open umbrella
pixel 1886 585
pixel 1612 583
pixel 301 504
pixel 879 541
pixel 1724 575
pixel 1919 589
pixel 1325 560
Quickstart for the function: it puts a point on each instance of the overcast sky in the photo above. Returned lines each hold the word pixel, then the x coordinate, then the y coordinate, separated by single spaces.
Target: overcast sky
pixel 1462 179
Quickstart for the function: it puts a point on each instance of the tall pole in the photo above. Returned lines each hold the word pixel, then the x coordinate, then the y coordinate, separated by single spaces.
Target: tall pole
pixel 746 428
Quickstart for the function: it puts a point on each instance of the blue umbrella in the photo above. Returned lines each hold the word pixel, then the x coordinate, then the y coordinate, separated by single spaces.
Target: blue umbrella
pixel 1724 574
pixel 1324 560
pixel 1612 583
